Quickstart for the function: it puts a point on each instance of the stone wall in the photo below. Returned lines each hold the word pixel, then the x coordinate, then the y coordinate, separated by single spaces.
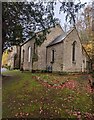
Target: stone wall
pixel 69 65
pixel 27 65
pixel 58 57
pixel 42 58
pixel 63 55
pixel 14 57
pixel 41 51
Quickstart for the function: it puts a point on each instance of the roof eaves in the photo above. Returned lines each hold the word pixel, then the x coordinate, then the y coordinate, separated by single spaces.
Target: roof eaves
pixel 39 32
pixel 54 44
pixel 25 42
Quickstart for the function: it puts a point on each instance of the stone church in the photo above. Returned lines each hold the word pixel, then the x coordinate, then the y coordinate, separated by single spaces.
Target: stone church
pixel 61 52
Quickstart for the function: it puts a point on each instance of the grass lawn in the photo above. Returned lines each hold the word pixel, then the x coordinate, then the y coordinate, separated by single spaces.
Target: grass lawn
pixel 42 95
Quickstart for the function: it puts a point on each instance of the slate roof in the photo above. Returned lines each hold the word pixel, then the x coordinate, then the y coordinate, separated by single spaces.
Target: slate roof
pixel 37 33
pixel 60 38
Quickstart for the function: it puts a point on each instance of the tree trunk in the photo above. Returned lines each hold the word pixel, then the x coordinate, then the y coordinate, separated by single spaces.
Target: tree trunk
pixel 0 36
pixel 0 59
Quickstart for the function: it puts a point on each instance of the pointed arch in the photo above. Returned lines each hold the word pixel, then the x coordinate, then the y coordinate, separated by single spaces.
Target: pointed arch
pixel 29 54
pixel 23 55
pixel 74 51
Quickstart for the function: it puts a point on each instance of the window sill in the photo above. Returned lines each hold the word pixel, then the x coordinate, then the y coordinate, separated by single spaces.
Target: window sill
pixel 74 62
pixel 52 62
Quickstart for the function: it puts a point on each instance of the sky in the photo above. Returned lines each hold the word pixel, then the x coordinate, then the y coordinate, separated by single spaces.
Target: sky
pixel 62 15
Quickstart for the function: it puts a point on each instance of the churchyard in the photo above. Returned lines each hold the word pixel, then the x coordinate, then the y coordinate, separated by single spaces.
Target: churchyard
pixel 46 95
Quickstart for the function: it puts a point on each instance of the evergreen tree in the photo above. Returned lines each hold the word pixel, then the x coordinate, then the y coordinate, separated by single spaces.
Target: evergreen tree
pixel 21 20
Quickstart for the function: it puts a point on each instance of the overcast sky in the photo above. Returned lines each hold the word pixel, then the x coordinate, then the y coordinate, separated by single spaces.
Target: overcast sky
pixel 62 16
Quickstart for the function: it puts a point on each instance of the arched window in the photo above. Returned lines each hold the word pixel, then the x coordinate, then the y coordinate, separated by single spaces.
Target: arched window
pixel 29 54
pixel 52 56
pixel 23 55
pixel 34 48
pixel 73 51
